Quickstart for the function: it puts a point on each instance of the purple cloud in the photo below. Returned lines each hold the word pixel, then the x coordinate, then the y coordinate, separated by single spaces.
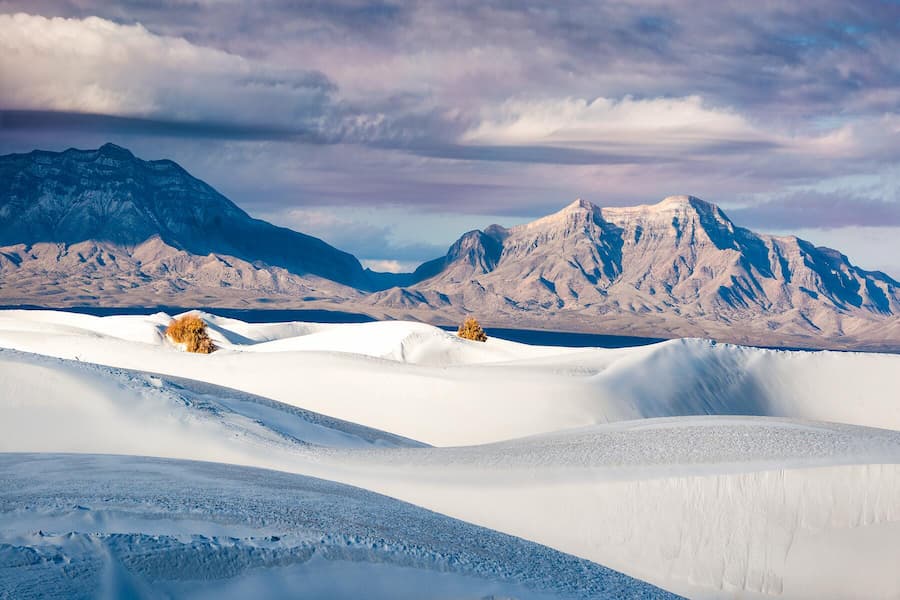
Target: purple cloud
pixel 820 211
pixel 475 107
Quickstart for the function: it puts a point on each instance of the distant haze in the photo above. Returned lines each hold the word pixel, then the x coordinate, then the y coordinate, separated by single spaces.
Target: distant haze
pixel 387 128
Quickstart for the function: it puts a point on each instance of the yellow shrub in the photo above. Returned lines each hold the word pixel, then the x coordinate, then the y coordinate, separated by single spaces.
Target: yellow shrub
pixel 471 330
pixel 190 330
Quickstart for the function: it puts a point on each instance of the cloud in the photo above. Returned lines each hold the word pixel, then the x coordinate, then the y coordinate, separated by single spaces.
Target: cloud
pixel 372 243
pixel 615 131
pixel 441 82
pixel 477 106
pixel 869 248
pixel 390 266
pixel 775 59
pixel 819 210
pixel 550 155
pixel 96 66
pixel 683 122
pixel 57 121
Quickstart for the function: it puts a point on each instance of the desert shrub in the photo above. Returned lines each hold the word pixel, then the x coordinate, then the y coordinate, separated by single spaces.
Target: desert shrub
pixel 471 330
pixel 190 330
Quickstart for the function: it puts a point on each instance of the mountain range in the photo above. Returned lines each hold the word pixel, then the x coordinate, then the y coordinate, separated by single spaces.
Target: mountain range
pixel 88 227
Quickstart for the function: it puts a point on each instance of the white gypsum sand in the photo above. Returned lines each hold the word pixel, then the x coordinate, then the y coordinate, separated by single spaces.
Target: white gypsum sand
pixel 548 444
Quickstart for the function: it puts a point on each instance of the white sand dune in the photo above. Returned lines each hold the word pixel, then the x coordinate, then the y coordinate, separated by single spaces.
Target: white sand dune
pixel 131 527
pixel 548 444
pixel 422 383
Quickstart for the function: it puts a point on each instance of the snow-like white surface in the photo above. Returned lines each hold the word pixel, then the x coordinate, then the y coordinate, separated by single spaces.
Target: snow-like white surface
pixel 549 444
pixel 118 526
pixel 703 506
pixel 108 410
pixel 423 383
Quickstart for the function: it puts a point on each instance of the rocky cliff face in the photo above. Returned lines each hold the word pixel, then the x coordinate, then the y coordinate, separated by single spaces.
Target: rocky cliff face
pixel 149 274
pixel 680 265
pixel 110 196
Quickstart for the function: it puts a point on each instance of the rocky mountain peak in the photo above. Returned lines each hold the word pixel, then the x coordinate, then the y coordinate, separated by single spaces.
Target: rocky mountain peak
pixel 109 195
pixel 576 216
pixel 579 205
pixel 693 206
pixel 680 207
pixel 114 151
pixel 681 201
pixel 679 259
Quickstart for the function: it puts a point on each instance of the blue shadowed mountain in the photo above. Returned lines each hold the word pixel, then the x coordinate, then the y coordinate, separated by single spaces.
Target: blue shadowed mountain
pixel 109 195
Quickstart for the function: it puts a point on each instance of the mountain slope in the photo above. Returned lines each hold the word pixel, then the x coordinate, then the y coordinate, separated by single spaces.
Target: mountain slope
pixel 681 266
pixel 149 274
pixel 102 226
pixel 109 195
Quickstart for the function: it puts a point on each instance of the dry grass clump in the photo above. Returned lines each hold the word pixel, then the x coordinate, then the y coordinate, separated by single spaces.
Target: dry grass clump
pixel 190 330
pixel 471 330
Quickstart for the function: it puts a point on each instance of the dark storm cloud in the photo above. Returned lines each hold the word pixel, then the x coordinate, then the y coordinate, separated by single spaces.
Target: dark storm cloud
pixel 789 57
pixel 793 57
pixel 784 57
pixel 42 120
pixel 50 121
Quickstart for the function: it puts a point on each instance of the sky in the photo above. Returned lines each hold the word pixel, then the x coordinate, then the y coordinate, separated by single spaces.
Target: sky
pixel 390 128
